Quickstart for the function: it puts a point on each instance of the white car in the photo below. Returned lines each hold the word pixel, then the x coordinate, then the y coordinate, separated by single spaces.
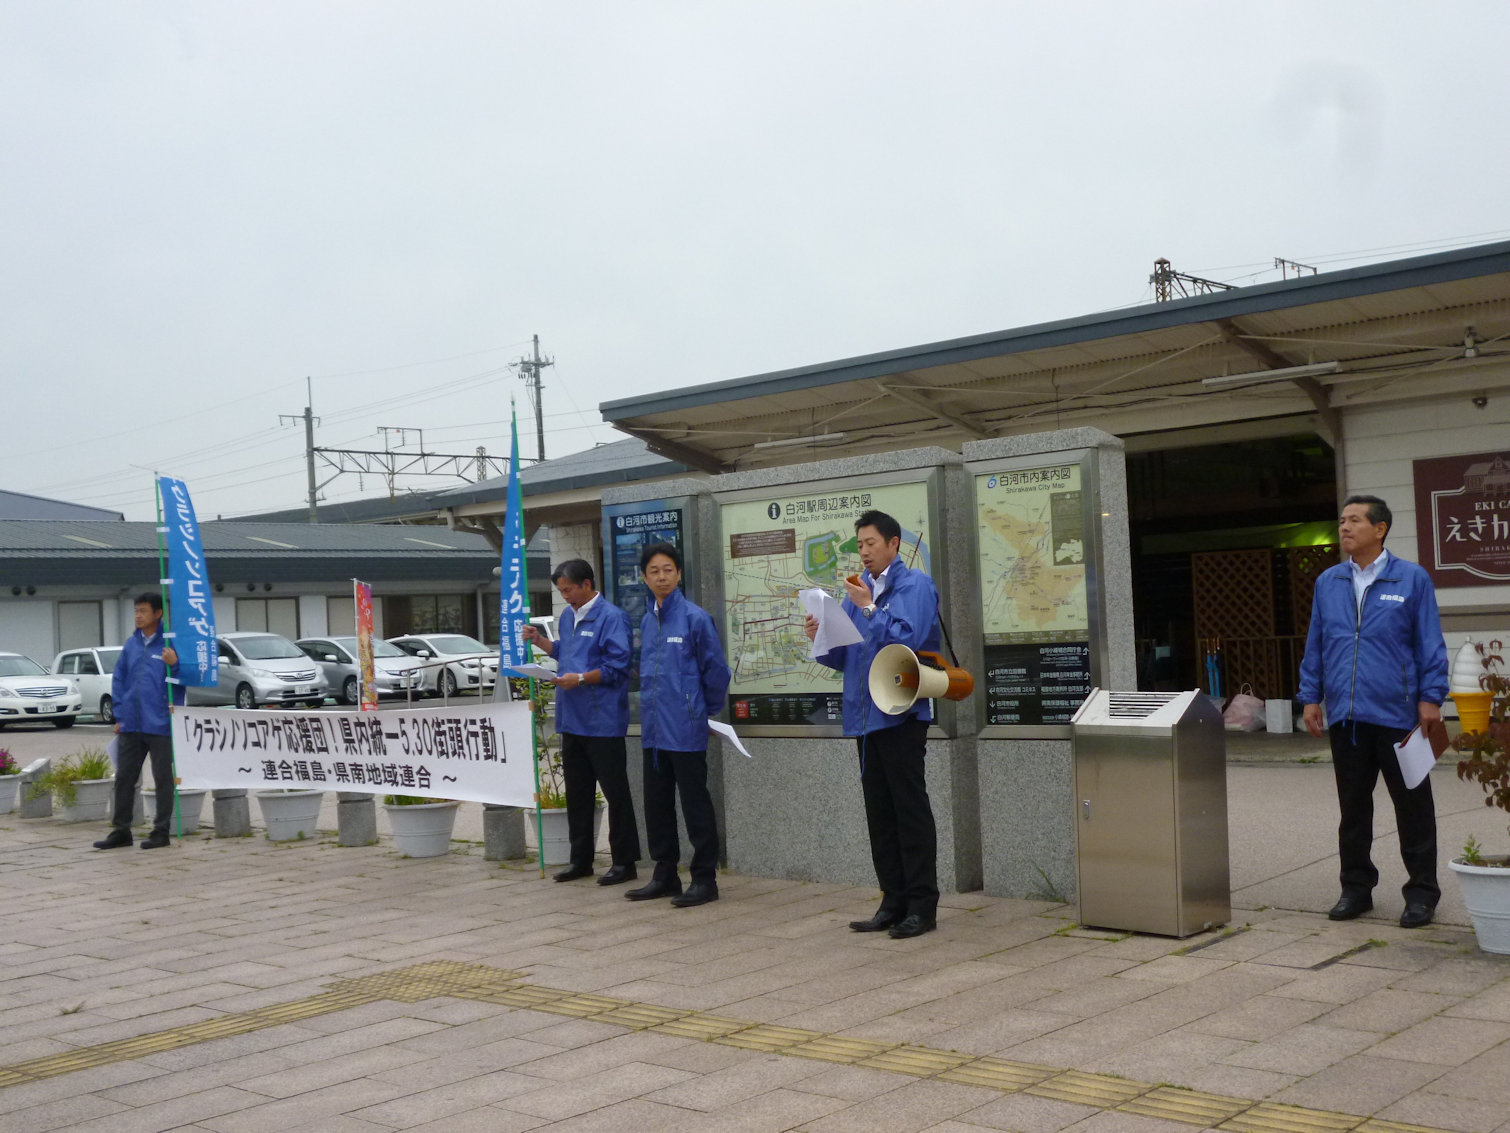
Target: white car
pixel 468 663
pixel 91 671
pixel 394 671
pixel 28 694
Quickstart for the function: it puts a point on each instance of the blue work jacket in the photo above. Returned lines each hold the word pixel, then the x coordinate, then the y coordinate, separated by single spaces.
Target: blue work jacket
pixel 683 675
pixel 599 641
pixel 906 614
pixel 138 686
pixel 1376 662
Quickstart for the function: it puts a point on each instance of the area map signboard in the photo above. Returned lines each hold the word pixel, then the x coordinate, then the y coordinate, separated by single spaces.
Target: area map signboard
pixel 627 530
pixel 1036 534
pixel 782 540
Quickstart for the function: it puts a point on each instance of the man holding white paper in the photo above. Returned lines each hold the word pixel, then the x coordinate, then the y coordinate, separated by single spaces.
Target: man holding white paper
pixel 592 716
pixel 1375 652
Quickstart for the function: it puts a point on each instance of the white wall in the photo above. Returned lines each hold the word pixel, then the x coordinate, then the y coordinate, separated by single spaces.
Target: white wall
pixel 28 625
pixel 574 541
pixel 1380 444
pixel 312 619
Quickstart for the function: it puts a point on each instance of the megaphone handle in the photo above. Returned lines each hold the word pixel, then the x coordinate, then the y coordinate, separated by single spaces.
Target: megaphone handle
pixel 953 657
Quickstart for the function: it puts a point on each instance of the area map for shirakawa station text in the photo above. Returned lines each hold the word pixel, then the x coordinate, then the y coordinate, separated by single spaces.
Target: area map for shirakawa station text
pixel 777 546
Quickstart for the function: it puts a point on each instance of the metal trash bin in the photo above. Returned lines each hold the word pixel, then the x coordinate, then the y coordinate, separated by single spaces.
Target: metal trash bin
pixel 1151 812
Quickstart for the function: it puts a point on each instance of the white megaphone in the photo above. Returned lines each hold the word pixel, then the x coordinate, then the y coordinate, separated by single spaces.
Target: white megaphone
pixel 899 678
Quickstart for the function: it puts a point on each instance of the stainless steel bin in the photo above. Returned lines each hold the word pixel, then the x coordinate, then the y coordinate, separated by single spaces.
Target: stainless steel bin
pixel 1151 812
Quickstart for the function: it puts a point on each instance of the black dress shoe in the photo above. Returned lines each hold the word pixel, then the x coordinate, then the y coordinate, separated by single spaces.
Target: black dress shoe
pixel 155 841
pixel 574 872
pixel 617 875
pixel 1416 915
pixel 656 888
pixel 1350 905
pixel 883 920
pixel 698 893
pixel 913 924
pixel 112 840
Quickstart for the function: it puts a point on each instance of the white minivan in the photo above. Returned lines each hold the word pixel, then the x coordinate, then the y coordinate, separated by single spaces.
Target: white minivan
pixel 91 670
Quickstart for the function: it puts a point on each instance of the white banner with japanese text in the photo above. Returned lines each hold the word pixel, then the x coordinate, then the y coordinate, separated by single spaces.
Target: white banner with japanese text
pixel 478 753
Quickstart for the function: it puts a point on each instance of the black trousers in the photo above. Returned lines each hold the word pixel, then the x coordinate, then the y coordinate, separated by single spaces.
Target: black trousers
pixel 591 762
pixel 1360 754
pixel 667 774
pixel 903 838
pixel 131 754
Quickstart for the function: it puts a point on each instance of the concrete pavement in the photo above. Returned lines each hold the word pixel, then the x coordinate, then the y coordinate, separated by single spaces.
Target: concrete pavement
pixel 237 985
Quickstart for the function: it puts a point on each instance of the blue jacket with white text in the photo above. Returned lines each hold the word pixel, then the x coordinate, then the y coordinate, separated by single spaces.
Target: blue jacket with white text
pixel 599 641
pixel 683 675
pixel 138 688
pixel 1376 661
pixel 906 614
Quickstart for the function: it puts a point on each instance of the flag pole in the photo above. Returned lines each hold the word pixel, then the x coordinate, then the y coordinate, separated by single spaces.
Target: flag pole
pixel 163 580
pixel 513 529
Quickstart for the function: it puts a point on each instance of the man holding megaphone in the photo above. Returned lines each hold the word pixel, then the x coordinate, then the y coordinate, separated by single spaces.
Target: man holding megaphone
pixel 891 605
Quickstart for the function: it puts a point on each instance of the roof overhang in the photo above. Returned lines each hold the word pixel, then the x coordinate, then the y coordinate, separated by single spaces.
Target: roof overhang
pixel 1396 331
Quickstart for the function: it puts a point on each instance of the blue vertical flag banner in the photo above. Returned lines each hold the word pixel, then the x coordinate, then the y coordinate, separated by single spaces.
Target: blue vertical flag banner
pixel 191 609
pixel 513 598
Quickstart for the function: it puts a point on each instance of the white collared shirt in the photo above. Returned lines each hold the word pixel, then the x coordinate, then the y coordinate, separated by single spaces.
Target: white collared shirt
pixel 878 582
pixel 581 611
pixel 1363 577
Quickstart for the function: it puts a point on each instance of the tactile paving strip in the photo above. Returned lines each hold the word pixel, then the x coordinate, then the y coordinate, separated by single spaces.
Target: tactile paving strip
pixel 495 985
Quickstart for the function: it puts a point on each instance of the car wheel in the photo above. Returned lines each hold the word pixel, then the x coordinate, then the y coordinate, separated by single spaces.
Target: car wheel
pixel 447 682
pixel 107 710
pixel 66 722
pixel 245 697
pixel 351 691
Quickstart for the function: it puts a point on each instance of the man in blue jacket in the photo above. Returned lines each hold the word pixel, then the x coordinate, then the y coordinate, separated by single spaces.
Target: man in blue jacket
pixel 139 694
pixel 683 681
pixel 891 605
pixel 1375 654
pixel 592 717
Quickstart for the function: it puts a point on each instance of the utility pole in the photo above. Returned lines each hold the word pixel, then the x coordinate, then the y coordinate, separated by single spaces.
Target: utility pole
pixel 1285 265
pixel 308 417
pixel 529 373
pixel 1166 281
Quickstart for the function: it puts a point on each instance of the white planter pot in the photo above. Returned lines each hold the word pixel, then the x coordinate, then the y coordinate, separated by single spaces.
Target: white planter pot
pixel 91 801
pixel 557 840
pixel 1486 896
pixel 190 806
pixel 422 830
pixel 290 815
pixel 10 791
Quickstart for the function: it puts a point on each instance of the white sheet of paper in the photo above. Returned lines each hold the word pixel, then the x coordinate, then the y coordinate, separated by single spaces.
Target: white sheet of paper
pixel 539 672
pixel 1416 758
pixel 727 732
pixel 113 751
pixel 835 630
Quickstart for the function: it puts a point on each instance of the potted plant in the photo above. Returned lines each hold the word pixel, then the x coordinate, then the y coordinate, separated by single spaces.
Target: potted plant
pixel 292 815
pixel 421 827
pixel 550 798
pixel 190 805
pixel 1485 880
pixel 82 785
pixel 10 781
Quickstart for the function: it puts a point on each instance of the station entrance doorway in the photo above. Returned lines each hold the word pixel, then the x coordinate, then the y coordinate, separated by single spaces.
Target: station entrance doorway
pixel 1228 539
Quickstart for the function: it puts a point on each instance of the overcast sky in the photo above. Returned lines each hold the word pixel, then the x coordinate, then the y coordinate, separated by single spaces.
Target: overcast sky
pixel 203 203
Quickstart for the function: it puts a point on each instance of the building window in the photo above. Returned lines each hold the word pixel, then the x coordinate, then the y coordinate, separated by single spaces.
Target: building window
pixel 429 613
pixel 268 615
pixel 80 624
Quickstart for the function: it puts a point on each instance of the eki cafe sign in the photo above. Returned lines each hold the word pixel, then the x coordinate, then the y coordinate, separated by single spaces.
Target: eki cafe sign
pixel 1463 518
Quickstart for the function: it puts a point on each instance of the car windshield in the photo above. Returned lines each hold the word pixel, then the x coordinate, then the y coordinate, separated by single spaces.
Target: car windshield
pixel 20 667
pixel 380 648
pixel 459 644
pixel 267 647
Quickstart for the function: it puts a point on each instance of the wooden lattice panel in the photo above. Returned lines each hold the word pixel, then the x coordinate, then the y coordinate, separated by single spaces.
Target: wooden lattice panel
pixel 1306 565
pixel 1234 593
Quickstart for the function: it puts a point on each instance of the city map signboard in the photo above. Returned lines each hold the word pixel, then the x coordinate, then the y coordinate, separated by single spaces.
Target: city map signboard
pixel 793 537
pixel 1037 520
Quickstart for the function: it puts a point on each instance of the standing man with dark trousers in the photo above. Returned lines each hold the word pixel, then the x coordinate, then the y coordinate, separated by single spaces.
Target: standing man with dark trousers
pixel 1375 654
pixel 592 717
pixel 891 605
pixel 139 694
pixel 683 681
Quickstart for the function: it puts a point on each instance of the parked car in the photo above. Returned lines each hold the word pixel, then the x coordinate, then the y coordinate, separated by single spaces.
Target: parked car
pixel 90 671
pixel 546 624
pixel 469 664
pixel 394 671
pixel 28 693
pixel 263 668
